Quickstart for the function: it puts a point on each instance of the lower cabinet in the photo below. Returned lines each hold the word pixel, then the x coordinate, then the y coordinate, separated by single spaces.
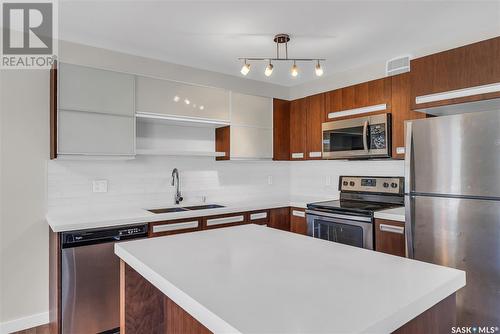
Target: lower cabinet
pixel 390 237
pixel 158 229
pixel 280 219
pixel 298 222
pixel 229 219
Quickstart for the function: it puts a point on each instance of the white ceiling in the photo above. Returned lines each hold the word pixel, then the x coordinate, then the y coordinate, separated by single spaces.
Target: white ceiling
pixel 211 35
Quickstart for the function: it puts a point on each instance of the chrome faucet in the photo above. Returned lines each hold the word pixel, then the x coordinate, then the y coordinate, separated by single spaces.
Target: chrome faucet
pixel 175 181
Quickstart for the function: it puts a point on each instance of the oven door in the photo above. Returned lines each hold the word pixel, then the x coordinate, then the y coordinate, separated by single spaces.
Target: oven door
pixel 361 137
pixel 350 230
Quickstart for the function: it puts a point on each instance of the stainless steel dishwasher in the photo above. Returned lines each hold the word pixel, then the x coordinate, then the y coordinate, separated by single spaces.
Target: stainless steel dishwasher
pixel 90 278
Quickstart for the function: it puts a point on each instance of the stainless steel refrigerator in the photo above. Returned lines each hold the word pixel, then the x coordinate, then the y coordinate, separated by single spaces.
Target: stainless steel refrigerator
pixel 452 170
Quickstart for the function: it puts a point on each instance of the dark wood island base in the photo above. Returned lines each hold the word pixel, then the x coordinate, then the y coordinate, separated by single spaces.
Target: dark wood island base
pixel 145 309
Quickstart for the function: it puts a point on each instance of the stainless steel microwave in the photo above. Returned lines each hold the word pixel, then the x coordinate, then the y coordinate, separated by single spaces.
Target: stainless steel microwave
pixel 358 138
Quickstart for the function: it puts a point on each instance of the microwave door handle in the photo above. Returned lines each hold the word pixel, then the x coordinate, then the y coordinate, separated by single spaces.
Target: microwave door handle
pixel 365 136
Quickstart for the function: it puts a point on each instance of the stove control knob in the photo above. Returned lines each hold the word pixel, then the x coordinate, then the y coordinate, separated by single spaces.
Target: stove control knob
pixel 345 183
pixel 351 183
pixel 394 185
pixel 386 185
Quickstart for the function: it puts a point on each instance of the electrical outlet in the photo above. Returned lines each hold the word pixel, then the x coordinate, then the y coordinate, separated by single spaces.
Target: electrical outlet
pixel 328 181
pixel 269 180
pixel 100 186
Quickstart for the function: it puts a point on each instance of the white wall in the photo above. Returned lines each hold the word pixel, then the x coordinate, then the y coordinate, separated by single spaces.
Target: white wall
pixel 24 102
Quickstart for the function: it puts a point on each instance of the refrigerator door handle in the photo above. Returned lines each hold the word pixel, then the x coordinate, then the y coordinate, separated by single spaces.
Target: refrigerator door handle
pixel 409 226
pixel 408 157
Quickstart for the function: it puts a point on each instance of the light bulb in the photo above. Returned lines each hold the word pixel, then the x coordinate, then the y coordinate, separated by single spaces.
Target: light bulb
pixel 202 107
pixel 269 70
pixel 186 101
pixel 176 98
pixel 318 69
pixel 295 70
pixel 245 68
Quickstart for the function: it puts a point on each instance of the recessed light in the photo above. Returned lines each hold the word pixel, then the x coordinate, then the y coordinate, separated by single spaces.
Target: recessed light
pixel 176 98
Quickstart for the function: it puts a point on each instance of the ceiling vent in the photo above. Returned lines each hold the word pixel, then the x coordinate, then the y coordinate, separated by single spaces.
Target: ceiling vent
pixel 397 65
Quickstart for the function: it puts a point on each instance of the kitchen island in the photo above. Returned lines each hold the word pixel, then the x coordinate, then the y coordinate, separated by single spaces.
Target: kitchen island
pixel 254 279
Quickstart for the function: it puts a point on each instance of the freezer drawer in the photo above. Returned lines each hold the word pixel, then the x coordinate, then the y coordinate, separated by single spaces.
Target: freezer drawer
pixel 463 234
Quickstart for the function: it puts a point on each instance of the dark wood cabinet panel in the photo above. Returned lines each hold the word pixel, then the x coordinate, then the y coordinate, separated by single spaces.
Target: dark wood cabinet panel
pixel 401 112
pixel 280 219
pixel 390 237
pixel 314 119
pixel 261 217
pixel 298 222
pixel 223 142
pixel 281 129
pixel 366 94
pixel 333 102
pixel 467 66
pixel 225 220
pixel 298 119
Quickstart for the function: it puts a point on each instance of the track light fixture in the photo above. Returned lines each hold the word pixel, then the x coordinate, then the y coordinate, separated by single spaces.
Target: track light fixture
pixel 282 39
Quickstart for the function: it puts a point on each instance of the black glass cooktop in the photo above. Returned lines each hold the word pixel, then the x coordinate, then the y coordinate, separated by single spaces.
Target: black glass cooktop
pixel 351 206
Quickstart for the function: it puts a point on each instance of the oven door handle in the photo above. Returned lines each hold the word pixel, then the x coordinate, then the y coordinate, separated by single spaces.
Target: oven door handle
pixel 339 216
pixel 365 136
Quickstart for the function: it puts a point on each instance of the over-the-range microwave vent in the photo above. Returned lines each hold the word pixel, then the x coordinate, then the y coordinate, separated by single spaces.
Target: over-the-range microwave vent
pixel 397 65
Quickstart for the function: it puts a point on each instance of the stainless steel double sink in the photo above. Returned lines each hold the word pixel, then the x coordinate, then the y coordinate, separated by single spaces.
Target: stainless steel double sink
pixel 186 208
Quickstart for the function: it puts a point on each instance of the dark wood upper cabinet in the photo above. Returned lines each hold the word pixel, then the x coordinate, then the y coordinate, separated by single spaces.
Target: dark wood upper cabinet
pixel 223 142
pixel 281 129
pixel 298 129
pixel 315 117
pixel 366 94
pixel 467 66
pixel 401 112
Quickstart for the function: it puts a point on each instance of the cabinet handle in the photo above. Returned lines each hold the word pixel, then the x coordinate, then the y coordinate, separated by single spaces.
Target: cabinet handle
pixel 298 213
pixel 315 154
pixel 175 226
pixel 225 220
pixel 259 215
pixel 392 229
pixel 297 155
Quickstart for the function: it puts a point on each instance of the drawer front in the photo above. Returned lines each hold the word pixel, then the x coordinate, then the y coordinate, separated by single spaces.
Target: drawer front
pixel 259 217
pixel 157 229
pixel 225 220
pixel 298 222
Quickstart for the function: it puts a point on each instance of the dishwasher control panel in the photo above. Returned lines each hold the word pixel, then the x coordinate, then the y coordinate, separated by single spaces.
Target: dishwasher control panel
pixel 97 236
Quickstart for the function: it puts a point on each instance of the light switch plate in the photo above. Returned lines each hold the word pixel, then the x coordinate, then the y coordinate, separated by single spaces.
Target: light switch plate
pixel 328 181
pixel 400 150
pixel 269 180
pixel 100 186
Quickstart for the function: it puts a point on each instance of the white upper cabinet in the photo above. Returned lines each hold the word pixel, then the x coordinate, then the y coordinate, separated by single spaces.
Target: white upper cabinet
pixel 157 96
pixel 251 131
pixel 251 110
pixel 94 90
pixel 96 112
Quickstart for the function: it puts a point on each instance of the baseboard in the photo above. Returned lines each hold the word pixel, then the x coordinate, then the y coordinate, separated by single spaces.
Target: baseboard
pixel 24 323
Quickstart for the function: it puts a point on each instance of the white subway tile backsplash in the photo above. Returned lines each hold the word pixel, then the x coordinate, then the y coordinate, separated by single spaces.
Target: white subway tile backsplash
pixel 145 181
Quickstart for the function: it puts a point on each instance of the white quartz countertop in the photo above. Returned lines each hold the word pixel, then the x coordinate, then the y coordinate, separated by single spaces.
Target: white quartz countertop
pixel 255 279
pixel 397 214
pixel 73 218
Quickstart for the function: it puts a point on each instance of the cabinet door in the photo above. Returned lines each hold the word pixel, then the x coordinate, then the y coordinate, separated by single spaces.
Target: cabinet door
pixel 261 217
pixel 230 219
pixel 251 143
pixel 281 129
pixel 298 222
pixel 390 237
pixel 298 119
pixel 464 67
pixel 249 110
pixel 366 94
pixel 314 134
pixel 173 98
pixel 87 133
pixel 280 219
pixel 401 112
pixel 94 90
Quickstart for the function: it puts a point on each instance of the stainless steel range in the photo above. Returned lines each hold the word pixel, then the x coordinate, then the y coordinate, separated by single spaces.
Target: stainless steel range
pixel 350 219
